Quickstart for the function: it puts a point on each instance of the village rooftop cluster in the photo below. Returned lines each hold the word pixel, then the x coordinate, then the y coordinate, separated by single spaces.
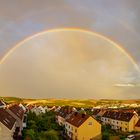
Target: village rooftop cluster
pixel 78 124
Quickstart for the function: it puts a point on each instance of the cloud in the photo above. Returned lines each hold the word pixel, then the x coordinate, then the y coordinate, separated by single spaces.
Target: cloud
pixel 124 85
pixel 65 64
pixel 118 20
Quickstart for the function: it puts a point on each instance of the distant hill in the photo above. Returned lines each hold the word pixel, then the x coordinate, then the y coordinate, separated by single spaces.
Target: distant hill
pixel 70 102
pixel 11 99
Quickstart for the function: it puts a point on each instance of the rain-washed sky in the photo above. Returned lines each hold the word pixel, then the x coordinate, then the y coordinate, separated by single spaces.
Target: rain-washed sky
pixel 118 20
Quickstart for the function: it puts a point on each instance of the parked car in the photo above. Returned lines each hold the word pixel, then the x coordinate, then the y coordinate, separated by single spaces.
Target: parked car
pixel 130 137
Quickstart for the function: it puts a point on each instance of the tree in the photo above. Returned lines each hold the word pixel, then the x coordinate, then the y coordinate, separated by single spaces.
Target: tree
pixel 42 127
pixel 105 136
pixel 32 116
pixel 30 134
pixel 49 135
pixel 32 125
pixel 105 132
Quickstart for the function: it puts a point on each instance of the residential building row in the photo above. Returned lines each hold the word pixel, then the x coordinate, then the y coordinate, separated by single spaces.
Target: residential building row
pixel 11 121
pixel 78 126
pixel 126 120
pixel 119 120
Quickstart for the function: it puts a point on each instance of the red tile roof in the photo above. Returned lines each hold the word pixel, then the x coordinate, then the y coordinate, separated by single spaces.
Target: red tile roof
pixel 17 110
pixel 96 111
pixel 119 115
pixel 6 119
pixel 64 111
pixel 77 119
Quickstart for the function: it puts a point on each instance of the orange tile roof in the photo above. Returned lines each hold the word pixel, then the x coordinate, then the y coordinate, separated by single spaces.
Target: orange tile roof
pixel 77 119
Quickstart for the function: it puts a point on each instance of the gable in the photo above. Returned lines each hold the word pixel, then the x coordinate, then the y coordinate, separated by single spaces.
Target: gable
pixel 90 123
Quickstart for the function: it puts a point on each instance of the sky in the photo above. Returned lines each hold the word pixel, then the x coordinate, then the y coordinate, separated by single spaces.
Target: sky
pixel 117 20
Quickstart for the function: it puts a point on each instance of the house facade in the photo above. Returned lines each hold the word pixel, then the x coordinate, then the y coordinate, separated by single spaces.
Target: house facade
pixel 63 113
pixel 98 113
pixel 38 110
pixel 7 125
pixel 82 127
pixel 119 120
pixel 137 126
pixel 18 113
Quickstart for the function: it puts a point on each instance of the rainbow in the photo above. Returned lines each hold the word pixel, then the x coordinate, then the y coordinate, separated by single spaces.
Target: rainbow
pixel 75 30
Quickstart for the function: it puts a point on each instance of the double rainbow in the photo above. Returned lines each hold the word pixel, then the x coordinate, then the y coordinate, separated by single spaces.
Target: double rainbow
pixel 75 30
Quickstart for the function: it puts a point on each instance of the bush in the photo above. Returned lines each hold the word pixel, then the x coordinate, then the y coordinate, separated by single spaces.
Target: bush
pixel 105 136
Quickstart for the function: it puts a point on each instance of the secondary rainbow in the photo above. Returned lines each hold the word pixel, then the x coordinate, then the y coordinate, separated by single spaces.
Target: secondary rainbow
pixel 75 30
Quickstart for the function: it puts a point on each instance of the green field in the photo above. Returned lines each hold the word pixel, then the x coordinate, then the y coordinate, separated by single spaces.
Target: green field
pixel 65 102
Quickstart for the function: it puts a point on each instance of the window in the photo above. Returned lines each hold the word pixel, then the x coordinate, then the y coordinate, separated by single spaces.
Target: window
pixel 90 123
pixel 75 130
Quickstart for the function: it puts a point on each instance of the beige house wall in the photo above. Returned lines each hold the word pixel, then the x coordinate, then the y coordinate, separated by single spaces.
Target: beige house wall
pixel 5 133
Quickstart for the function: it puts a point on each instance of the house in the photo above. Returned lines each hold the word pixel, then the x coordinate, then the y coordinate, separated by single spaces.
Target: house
pixel 58 109
pixel 96 112
pixel 46 108
pixel 23 107
pixel 29 107
pixel 138 112
pixel 62 114
pixel 7 125
pixel 2 104
pixel 51 108
pixel 137 126
pixel 120 120
pixel 82 127
pixel 25 115
pixel 41 109
pixel 38 110
pixel 18 113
